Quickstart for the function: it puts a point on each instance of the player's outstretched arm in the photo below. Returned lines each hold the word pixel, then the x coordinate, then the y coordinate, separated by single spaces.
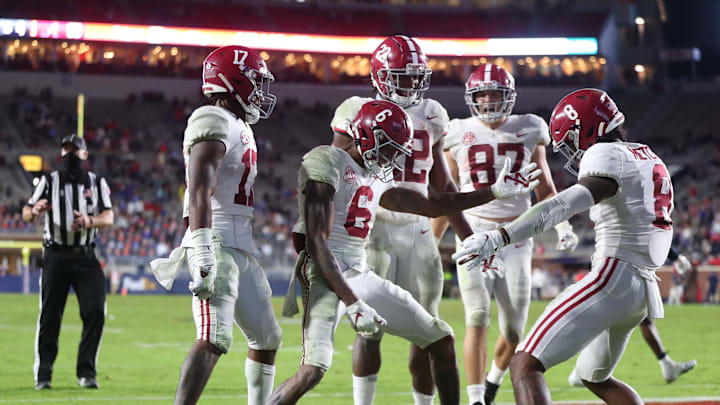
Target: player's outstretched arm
pixel 567 239
pixel 538 219
pixel 318 216
pixel 441 180
pixel 508 185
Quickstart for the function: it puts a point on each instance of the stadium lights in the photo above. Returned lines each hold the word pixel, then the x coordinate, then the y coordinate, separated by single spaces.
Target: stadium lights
pixel 311 43
pixel 639 68
pixel 639 21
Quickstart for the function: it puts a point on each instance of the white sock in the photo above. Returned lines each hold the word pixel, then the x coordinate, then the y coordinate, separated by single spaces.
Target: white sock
pixel 496 374
pixel 423 399
pixel 260 378
pixel 476 393
pixel 364 389
pixel 666 361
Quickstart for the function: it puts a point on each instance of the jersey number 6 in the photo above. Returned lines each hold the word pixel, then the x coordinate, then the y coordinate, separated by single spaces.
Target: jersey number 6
pixel 358 214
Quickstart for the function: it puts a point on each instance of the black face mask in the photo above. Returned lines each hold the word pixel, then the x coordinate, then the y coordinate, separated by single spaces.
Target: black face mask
pixel 73 166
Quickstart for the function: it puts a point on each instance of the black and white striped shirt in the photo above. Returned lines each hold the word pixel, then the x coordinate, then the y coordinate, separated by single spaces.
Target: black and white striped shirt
pixel 64 196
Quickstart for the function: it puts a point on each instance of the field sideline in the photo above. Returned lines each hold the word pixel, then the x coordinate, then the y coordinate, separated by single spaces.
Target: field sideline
pixel 147 337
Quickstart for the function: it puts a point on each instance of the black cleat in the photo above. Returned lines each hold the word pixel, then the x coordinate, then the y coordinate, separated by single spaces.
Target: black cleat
pixel 88 382
pixel 43 385
pixel 490 392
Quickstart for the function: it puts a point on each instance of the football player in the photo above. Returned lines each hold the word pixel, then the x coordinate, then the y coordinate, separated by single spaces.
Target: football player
pixel 227 283
pixel 629 193
pixel 475 149
pixel 401 248
pixel 670 368
pixel 340 187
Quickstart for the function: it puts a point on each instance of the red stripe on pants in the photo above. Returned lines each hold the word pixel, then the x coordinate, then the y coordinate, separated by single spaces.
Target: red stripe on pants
pixel 202 321
pixel 542 323
pixel 578 302
pixel 207 328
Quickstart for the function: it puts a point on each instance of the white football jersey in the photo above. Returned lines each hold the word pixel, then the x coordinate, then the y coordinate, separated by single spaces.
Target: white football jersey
pixel 635 224
pixel 480 153
pixel 357 195
pixel 233 195
pixel 430 124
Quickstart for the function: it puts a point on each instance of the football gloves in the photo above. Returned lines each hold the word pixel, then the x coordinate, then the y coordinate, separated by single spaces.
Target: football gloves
pixel 363 318
pixel 509 185
pixel 478 253
pixel 567 239
pixel 202 263
pixel 682 264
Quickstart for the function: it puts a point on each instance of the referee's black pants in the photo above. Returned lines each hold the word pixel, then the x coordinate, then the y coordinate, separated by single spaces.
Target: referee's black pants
pixel 62 268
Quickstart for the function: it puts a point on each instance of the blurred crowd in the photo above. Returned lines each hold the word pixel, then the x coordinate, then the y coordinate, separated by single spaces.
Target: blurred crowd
pixel 137 147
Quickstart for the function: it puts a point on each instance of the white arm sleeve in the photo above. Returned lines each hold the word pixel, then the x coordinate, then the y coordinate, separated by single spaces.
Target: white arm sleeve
pixel 543 216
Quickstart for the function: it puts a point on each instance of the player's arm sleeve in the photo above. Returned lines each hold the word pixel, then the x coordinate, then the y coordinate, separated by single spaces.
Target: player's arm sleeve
pixel 206 126
pixel 104 202
pixel 546 214
pixel 320 165
pixel 602 160
pixel 440 121
pixel 453 135
pixel 543 131
pixel 344 115
pixel 41 191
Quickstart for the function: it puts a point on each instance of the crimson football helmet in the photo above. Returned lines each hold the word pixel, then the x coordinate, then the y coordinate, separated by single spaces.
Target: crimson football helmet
pixel 490 77
pixel 580 120
pixel 382 132
pixel 243 73
pixel 399 71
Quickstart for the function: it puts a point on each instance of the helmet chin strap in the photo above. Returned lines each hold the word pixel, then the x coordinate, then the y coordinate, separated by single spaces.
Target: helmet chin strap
pixel 252 115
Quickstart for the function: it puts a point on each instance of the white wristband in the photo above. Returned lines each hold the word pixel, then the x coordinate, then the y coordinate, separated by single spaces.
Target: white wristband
pixel 201 237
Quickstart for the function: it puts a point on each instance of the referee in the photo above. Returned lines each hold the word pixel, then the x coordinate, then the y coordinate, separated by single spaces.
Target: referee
pixel 75 204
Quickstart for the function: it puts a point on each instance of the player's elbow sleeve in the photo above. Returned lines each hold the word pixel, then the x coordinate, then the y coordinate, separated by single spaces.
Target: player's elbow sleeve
pixel 549 213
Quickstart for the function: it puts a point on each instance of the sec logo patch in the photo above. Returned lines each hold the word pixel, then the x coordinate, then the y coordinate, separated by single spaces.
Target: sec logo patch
pixel 245 139
pixel 468 138
pixel 349 175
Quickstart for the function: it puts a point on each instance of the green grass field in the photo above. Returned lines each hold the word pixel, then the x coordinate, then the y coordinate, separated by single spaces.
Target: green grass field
pixel 147 337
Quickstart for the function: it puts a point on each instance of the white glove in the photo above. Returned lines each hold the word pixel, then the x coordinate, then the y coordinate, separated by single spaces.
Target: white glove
pixel 363 318
pixel 202 264
pixel 478 252
pixel 682 264
pixel 509 185
pixel 567 240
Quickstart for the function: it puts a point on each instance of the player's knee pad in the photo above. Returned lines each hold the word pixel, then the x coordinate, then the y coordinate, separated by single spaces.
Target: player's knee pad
pixel 269 341
pixel 477 316
pixel 443 327
pixel 318 345
pixel 512 335
pixel 223 342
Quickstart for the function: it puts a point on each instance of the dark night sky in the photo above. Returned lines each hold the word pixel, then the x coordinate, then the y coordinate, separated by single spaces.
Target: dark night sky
pixel 696 23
